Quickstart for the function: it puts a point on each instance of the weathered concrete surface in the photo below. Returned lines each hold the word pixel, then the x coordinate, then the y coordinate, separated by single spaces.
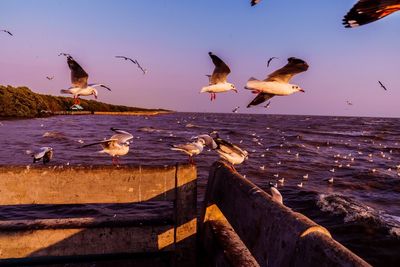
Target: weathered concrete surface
pixel 221 243
pixel 172 230
pixel 72 185
pixel 269 230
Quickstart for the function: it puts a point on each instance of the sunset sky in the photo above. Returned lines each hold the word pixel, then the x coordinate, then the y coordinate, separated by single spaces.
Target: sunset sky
pixel 172 38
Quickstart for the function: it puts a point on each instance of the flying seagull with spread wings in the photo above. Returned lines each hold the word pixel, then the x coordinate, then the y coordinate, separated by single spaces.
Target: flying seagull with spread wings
pixel 217 81
pixel 277 83
pixel 367 11
pixel 254 2
pixel 8 32
pixel 116 146
pixel 79 80
pixel 383 86
pixel 134 61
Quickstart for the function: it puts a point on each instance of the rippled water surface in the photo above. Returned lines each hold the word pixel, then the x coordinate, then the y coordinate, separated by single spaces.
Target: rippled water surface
pixel 361 208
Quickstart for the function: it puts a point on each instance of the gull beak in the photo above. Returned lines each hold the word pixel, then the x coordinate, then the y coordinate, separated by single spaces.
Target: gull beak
pixel 301 90
pixel 235 90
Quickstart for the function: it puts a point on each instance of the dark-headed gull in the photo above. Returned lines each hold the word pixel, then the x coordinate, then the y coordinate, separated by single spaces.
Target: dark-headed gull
pixel 217 81
pixel 79 80
pixel 45 154
pixel 116 146
pixel 277 83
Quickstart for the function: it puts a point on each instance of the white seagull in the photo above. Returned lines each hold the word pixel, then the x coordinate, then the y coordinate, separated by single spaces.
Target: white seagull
pixel 217 81
pixel 276 195
pixel 79 80
pixel 45 154
pixel 116 146
pixel 277 83
pixel 191 149
pixel 230 152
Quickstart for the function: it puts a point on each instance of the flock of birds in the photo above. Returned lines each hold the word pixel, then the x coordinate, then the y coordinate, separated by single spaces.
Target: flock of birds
pixel 277 83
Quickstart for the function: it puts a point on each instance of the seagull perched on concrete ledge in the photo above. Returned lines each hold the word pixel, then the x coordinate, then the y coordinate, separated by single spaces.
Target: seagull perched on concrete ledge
pixel 45 154
pixel 230 152
pixel 276 195
pixel 191 149
pixel 217 81
pixel 277 83
pixel 116 146
pixel 79 80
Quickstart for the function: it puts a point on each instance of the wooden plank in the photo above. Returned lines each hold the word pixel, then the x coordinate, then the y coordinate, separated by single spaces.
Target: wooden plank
pixel 269 229
pixel 83 241
pixel 72 185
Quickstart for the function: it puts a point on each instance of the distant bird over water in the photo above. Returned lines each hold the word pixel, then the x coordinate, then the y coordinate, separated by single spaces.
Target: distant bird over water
pixel 45 154
pixel 134 61
pixel 381 84
pixel 367 11
pixel 277 83
pixel 8 32
pixel 235 110
pixel 49 78
pixel 349 103
pixel 217 81
pixel 254 2
pixel 116 146
pixel 79 80
pixel 269 60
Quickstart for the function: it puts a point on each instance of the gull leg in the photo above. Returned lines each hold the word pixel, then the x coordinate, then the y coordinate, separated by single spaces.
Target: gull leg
pixel 211 97
pixel 215 96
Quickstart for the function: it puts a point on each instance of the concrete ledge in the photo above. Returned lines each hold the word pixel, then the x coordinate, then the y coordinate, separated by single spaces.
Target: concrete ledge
pixel 269 230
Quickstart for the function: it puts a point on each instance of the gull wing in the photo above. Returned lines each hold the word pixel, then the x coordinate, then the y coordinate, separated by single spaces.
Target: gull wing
pixel 79 76
pixel 285 74
pixel 367 11
pixel 260 98
pixel 221 70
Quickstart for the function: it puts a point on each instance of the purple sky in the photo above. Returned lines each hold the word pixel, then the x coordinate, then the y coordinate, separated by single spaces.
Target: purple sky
pixel 172 38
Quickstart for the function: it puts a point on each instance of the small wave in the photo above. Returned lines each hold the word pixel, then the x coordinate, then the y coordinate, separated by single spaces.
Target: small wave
pixel 150 130
pixel 58 135
pixel 357 212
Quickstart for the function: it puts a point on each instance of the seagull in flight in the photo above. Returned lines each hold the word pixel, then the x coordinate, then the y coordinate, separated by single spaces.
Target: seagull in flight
pixel 269 60
pixel 116 146
pixel 381 84
pixel 79 81
pixel 277 83
pixel 217 81
pixel 49 78
pixel 367 11
pixel 349 103
pixel 254 2
pixel 6 31
pixel 235 110
pixel 134 61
